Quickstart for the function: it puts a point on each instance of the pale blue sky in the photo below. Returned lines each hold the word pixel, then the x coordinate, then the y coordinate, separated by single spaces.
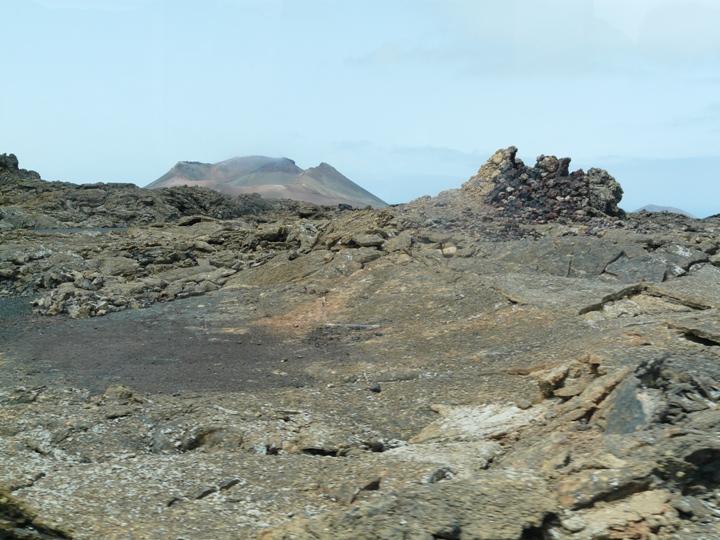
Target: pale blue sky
pixel 406 97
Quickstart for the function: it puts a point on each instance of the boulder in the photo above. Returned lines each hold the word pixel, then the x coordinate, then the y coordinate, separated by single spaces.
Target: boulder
pixel 368 240
pixel 401 242
pixel 118 266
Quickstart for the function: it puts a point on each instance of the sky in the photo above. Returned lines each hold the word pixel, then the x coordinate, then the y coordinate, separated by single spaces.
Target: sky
pixel 406 97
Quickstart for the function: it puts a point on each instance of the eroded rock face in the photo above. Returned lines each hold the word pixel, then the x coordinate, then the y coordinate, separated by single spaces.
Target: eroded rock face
pixel 10 168
pixel 8 162
pixel 548 191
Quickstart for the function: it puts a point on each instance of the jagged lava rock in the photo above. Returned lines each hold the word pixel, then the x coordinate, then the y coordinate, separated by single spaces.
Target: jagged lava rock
pixel 548 191
pixel 10 168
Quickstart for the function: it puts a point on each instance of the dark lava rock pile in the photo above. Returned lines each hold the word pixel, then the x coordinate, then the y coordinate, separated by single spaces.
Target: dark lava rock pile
pixel 545 192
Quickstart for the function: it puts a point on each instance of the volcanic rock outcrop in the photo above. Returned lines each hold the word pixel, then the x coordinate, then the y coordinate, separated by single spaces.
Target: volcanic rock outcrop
pixel 548 191
pixel 10 169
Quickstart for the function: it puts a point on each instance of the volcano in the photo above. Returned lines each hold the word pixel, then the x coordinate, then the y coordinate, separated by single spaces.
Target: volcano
pixel 273 178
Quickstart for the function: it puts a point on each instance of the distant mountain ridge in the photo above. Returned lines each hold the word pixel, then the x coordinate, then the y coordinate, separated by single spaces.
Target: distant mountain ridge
pixel 273 178
pixel 659 208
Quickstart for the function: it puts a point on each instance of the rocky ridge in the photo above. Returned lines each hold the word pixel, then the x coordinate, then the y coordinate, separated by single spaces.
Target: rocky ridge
pixel 457 367
pixel 26 201
pixel 548 191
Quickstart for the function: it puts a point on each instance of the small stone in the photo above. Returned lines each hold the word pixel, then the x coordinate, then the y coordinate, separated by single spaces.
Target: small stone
pixel 449 251
pixel 368 240
pixel 401 242
pixel 118 392
pixel 118 412
pixel 573 524
pixel 683 506
pixel 441 473
pixel 200 245
pixel 375 388
pixel 523 403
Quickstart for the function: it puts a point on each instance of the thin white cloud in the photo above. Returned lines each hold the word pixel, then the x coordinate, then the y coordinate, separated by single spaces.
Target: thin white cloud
pixel 560 38
pixel 707 117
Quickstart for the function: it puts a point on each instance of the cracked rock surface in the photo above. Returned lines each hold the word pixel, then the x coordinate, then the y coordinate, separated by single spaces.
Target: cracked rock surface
pixel 466 366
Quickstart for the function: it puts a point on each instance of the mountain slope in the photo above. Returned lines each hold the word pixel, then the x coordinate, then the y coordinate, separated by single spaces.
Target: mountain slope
pixel 659 208
pixel 273 178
